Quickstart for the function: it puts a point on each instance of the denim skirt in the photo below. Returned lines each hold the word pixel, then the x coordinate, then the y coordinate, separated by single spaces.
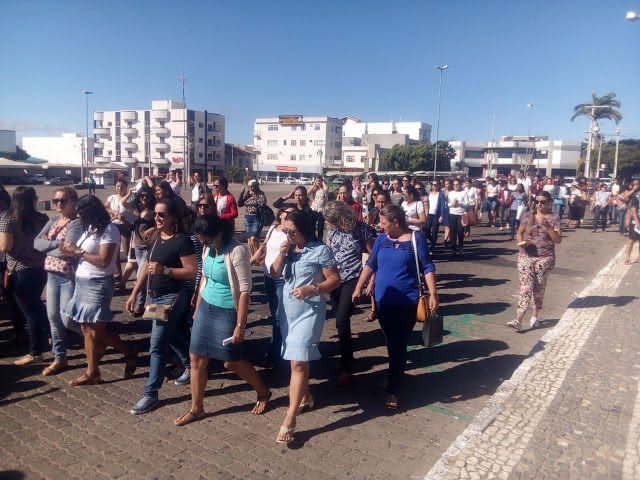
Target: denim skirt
pixel 252 225
pixel 91 301
pixel 211 325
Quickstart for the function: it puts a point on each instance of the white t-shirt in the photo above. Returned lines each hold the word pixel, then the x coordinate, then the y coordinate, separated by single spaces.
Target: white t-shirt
pixel 175 186
pixel 433 203
pixel 512 187
pixel 91 244
pixel 492 191
pixel 115 204
pixel 463 201
pixel 273 248
pixel 412 211
pixel 195 193
pixel 472 194
pixel 615 189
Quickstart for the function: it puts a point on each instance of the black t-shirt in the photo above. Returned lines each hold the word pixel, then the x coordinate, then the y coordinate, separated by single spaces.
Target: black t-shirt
pixel 168 253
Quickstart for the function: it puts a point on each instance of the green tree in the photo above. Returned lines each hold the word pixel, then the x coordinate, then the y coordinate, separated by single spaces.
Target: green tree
pixel 233 173
pixel 628 157
pixel 607 108
pixel 418 157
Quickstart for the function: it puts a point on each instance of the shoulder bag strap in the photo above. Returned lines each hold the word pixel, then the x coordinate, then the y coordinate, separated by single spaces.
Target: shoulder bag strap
pixel 414 244
pixel 148 260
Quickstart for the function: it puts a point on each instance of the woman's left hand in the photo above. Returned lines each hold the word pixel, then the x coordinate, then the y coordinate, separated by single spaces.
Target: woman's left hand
pixel 301 292
pixel 68 248
pixel 238 334
pixel 154 268
pixel 433 303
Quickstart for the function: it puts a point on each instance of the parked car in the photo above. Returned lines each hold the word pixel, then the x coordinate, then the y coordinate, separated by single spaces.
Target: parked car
pixel 37 179
pixel 305 181
pixel 60 181
pixel 290 181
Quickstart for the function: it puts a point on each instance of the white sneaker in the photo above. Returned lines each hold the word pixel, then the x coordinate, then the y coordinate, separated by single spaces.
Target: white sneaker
pixel 534 323
pixel 515 324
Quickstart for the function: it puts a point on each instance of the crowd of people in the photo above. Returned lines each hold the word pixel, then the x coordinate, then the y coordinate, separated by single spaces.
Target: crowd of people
pixel 193 278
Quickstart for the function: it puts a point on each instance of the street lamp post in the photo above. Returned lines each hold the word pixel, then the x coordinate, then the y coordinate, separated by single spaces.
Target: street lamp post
pixel 615 158
pixel 442 68
pixel 593 127
pixel 86 94
pixel 533 153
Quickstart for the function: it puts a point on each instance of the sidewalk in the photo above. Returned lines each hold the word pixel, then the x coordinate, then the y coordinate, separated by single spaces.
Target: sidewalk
pixel 572 409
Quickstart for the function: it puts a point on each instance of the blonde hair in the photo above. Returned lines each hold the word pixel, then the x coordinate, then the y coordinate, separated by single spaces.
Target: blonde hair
pixel 340 216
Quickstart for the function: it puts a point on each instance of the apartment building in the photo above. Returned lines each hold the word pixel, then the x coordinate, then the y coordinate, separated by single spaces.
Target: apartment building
pixel 296 145
pixel 416 132
pixel 156 140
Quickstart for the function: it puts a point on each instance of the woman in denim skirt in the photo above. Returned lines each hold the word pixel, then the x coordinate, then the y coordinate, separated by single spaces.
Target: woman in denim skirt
pixel 221 315
pixel 171 264
pixel 97 253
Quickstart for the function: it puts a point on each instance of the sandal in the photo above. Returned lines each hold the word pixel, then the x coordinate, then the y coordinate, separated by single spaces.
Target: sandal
pixel 262 404
pixel 285 434
pixel 391 402
pixel 85 379
pixel 55 367
pixel 372 317
pixel 130 362
pixel 307 404
pixel 189 417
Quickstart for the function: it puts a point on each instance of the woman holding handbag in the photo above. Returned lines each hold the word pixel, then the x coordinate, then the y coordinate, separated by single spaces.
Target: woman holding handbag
pixel 97 253
pixel 396 289
pixel 171 263
pixel 60 270
pixel 221 315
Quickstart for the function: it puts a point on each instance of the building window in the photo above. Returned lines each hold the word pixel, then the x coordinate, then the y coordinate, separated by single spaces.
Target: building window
pixel 272 143
pixel 209 156
pixel 272 157
pixel 301 157
pixel 272 128
pixel 200 155
pixel 109 124
pixel 303 127
pixel 363 159
pixel 350 158
pixel 293 128
pixel 292 157
pixel 303 143
pixel 338 144
pixel 200 125
pixel 293 143
pixel 318 143
pixel 209 142
pixel 200 140
pixel 316 126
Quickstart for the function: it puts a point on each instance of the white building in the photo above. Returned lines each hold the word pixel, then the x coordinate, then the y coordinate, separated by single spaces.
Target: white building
pixel 66 150
pixel 7 141
pixel 512 153
pixel 417 132
pixel 296 145
pixel 155 140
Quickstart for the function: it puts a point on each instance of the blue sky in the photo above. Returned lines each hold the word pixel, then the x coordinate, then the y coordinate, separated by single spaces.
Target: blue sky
pixel 370 59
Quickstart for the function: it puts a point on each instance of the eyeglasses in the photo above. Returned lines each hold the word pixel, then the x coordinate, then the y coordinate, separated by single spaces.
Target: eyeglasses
pixel 159 214
pixel 203 205
pixel 216 186
pixel 61 201
pixel 143 195
pixel 289 232
pixel 541 202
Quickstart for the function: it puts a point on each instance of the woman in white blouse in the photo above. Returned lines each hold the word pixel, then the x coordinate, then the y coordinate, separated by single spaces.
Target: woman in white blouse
pixel 413 209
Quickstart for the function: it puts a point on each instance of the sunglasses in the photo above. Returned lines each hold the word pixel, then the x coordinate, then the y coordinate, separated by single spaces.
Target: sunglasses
pixel 61 201
pixel 289 232
pixel 541 202
pixel 216 186
pixel 203 205
pixel 159 214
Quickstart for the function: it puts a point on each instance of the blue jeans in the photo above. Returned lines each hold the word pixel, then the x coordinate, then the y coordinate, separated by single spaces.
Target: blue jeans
pixel 622 213
pixel 165 334
pixel 142 254
pixel 273 289
pixel 513 223
pixel 26 288
pixel 59 293
pixel 433 225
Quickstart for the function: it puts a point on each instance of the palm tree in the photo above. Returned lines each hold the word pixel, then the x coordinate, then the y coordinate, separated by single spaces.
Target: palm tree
pixel 606 108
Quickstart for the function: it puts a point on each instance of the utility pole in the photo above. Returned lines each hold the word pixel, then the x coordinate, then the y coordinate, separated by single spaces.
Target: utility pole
pixel 442 68
pixel 615 159
pixel 85 150
pixel 593 127
pixel 185 155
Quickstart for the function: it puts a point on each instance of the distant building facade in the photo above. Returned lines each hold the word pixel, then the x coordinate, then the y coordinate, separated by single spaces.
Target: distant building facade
pixel 242 156
pixel 67 150
pixel 156 139
pixel 512 153
pixel 7 141
pixel 296 145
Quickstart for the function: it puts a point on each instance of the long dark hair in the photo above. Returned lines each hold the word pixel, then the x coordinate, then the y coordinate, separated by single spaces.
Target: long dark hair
pixel 532 212
pixel 176 211
pixel 23 207
pixel 304 223
pixel 210 225
pixel 92 214
pixel 151 198
pixel 166 188
pixel 393 212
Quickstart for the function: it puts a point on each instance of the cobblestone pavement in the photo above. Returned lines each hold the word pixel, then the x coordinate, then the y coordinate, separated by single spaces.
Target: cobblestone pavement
pixel 572 410
pixel 50 430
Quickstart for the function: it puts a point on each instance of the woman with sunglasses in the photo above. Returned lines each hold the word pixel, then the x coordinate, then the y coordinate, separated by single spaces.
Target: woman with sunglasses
pixel 171 264
pixel 538 234
pixel 60 270
pixel 144 234
pixel 226 205
pixel 221 314
pixel 97 253
pixel 309 271
pixel 273 287
pixel 253 199
pixel 25 266
pixel 206 205
pixel 300 197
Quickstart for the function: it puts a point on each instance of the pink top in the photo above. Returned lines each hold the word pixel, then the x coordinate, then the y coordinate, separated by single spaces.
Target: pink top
pixel 542 243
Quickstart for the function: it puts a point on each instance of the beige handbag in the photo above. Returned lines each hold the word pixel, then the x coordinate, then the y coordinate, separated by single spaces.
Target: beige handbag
pixel 423 307
pixel 156 311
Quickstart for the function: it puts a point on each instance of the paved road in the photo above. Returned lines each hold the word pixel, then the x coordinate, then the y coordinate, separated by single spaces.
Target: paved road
pixel 50 430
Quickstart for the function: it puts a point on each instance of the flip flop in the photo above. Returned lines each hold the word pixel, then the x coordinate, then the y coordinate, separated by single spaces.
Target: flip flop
pixel 391 402
pixel 308 404
pixel 285 434
pixel 189 417
pixel 262 401
pixel 85 379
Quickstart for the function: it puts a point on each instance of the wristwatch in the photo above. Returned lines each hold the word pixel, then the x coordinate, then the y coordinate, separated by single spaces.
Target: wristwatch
pixel 166 271
pixel 316 288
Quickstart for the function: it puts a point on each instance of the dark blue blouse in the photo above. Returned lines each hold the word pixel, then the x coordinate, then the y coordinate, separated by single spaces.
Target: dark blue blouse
pixel 395 269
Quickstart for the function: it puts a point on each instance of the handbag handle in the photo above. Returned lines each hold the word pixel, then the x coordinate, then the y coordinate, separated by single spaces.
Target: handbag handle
pixel 414 244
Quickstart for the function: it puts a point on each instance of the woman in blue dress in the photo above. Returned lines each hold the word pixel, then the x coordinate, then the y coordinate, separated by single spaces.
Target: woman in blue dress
pixel 309 271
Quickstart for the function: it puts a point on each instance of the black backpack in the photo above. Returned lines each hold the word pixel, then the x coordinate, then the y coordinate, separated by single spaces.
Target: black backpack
pixel 267 217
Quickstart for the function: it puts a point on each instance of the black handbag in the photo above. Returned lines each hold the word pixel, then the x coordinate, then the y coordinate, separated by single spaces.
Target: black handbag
pixel 432 329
